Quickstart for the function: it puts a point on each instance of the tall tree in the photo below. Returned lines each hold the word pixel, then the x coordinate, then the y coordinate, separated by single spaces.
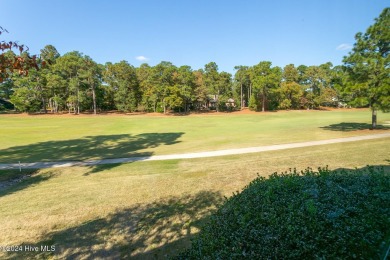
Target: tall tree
pixel 200 91
pixel 317 80
pixel 225 89
pixel 290 90
pixel 338 81
pixel 211 78
pixel 290 73
pixel 56 87
pixel 368 65
pixel 122 79
pixel 265 79
pixel 69 67
pixel 302 74
pixel 242 77
pixel 162 78
pixel 91 76
pixel 145 88
pixel 185 82
pixel 29 91
pixel 49 54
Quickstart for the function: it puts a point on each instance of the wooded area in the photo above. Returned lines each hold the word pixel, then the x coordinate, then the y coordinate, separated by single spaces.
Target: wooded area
pixel 74 82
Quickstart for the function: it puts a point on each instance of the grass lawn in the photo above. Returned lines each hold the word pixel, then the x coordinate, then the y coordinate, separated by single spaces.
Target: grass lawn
pixel 152 209
pixel 147 209
pixel 54 138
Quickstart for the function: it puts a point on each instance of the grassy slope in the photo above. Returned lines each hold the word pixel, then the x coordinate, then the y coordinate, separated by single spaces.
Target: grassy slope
pixel 147 209
pixel 43 138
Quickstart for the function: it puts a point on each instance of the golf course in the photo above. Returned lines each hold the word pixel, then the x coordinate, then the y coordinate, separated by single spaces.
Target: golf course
pixel 152 209
pixel 194 130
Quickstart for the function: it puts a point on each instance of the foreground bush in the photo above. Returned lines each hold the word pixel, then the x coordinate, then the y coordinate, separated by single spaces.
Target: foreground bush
pixel 306 215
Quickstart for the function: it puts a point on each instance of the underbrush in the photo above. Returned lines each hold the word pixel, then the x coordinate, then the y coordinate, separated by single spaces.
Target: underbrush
pixel 302 215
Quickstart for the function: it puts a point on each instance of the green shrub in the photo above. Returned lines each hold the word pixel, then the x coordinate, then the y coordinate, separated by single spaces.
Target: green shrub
pixel 285 104
pixel 302 215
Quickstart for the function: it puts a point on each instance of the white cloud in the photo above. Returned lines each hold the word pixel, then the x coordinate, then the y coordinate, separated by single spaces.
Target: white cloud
pixel 344 47
pixel 142 58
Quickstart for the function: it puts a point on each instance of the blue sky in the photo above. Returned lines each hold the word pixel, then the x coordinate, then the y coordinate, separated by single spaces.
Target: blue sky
pixel 193 33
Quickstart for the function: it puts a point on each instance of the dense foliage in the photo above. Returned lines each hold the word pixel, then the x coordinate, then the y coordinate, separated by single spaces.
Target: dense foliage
pixel 368 66
pixel 74 82
pixel 325 214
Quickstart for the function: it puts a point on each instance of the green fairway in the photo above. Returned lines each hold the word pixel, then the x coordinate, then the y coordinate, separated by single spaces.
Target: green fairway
pixel 152 209
pixel 148 209
pixel 53 138
pixel 200 132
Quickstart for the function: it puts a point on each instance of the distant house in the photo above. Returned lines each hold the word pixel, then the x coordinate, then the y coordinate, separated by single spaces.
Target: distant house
pixel 212 101
pixel 230 103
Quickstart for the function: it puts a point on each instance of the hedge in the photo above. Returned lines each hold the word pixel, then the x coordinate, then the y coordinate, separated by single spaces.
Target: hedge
pixel 302 215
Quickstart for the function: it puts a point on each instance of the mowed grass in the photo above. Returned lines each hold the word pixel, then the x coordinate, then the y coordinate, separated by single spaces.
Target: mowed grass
pixel 64 137
pixel 152 209
pixel 147 209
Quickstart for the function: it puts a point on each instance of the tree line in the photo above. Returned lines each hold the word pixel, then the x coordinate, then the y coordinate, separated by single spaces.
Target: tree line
pixel 74 82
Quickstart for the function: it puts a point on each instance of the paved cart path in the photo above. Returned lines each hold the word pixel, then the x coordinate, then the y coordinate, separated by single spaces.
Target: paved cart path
pixel 258 149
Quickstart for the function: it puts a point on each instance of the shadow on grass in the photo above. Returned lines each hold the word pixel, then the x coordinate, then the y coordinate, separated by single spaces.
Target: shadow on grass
pixel 348 127
pixel 100 167
pixel 10 175
pixel 89 147
pixel 13 181
pixel 146 231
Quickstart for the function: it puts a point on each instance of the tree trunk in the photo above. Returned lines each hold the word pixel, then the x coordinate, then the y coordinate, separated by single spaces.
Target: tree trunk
pixel 373 119
pixel 42 98
pixel 51 105
pixel 76 105
pixel 263 102
pixel 55 106
pixel 78 98
pixel 241 96
pixel 249 96
pixel 44 105
pixel 94 99
pixel 217 102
